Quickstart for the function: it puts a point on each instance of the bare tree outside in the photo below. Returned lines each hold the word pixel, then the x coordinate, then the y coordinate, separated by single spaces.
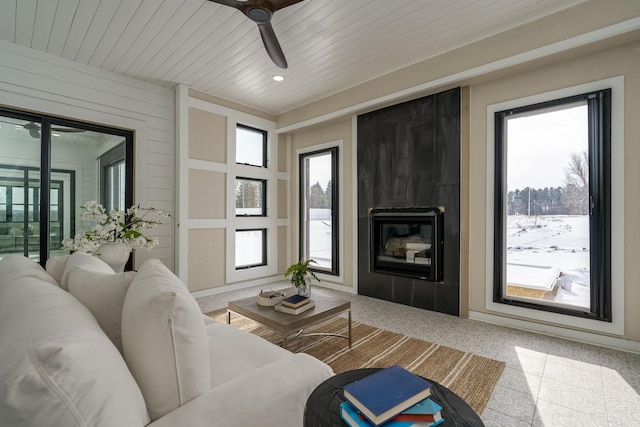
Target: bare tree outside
pixel 577 171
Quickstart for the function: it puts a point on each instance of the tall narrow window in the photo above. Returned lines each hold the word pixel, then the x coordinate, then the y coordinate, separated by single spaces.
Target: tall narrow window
pixel 319 209
pixel 552 212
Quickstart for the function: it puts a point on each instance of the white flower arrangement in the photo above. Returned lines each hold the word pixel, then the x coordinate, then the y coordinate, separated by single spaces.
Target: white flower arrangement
pixel 127 227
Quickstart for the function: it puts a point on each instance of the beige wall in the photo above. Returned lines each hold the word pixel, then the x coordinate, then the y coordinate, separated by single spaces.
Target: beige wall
pixel 207 136
pixel 207 200
pixel 207 174
pixel 623 60
pixel 206 258
pixel 334 131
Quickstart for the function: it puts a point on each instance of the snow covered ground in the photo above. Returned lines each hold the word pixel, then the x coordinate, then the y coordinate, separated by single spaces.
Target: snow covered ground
pixel 560 241
pixel 552 240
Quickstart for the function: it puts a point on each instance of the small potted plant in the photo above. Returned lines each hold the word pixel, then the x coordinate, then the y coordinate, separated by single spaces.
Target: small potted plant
pixel 300 273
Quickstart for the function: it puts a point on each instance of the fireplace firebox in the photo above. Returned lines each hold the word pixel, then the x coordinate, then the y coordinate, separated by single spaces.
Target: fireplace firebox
pixel 407 242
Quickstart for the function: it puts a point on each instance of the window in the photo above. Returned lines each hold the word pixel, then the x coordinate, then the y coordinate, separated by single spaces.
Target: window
pixel 40 157
pixel 553 206
pixel 251 146
pixel 319 209
pixel 250 197
pixel 251 248
pixel 113 178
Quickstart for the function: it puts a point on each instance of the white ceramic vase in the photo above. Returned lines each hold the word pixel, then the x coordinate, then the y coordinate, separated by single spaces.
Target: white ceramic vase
pixel 115 254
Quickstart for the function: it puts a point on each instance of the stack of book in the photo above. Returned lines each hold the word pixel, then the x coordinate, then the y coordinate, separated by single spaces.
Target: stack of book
pixel 394 397
pixel 295 304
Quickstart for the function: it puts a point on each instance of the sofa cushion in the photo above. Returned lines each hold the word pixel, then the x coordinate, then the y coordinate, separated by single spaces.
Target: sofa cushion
pixel 15 266
pixel 242 352
pixel 86 260
pixel 103 294
pixel 55 267
pixel 164 339
pixel 58 367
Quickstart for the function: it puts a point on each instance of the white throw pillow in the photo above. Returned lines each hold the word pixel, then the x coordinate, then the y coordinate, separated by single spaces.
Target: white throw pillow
pixel 86 260
pixel 58 368
pixel 15 266
pixel 164 339
pixel 55 267
pixel 103 294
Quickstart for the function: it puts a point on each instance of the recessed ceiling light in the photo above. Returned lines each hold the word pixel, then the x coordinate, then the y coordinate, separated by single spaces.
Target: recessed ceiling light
pixel 55 134
pixel 278 78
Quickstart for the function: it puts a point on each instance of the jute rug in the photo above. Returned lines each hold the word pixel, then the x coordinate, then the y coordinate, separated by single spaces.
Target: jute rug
pixel 470 376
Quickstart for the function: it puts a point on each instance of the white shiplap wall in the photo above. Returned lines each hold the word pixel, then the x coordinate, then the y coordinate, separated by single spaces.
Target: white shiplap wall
pixel 36 81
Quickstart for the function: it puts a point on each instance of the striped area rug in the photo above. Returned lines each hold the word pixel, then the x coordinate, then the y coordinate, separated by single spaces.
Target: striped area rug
pixel 470 376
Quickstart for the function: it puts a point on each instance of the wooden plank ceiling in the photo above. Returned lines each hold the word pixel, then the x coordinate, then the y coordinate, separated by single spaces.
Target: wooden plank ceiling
pixel 330 45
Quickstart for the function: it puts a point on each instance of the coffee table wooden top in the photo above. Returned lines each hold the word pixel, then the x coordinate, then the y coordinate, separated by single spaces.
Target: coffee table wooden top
pixel 325 308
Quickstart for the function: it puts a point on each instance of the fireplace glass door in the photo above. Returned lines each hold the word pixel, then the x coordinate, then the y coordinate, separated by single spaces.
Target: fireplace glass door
pixel 407 243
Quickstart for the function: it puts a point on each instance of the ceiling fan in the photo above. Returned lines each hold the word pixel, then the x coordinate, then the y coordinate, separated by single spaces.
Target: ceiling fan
pixel 260 12
pixel 34 129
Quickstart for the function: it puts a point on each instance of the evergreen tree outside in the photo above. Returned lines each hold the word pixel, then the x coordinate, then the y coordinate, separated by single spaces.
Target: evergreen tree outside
pixel 328 195
pixel 317 197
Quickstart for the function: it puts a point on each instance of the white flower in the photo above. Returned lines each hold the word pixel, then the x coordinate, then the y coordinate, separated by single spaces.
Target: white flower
pixel 125 227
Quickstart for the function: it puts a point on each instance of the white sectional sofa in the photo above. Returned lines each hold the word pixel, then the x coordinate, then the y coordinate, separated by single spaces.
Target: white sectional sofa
pixel 83 346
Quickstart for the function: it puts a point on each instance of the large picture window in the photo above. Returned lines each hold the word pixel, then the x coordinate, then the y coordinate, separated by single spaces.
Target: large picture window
pixel 319 209
pixel 553 206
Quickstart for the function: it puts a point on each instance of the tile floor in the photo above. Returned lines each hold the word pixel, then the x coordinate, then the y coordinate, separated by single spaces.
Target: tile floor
pixel 547 382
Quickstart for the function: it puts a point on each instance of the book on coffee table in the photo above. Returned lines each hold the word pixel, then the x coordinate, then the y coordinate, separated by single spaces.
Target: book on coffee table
pixel 291 310
pixel 386 393
pixel 295 301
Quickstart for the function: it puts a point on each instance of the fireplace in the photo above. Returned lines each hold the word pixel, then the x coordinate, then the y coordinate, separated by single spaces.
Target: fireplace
pixel 407 242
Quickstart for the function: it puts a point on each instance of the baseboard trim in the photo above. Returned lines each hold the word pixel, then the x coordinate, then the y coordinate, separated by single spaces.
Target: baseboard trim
pixel 570 334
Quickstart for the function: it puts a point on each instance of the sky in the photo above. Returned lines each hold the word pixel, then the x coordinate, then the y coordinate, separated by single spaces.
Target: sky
pixel 320 170
pixel 539 146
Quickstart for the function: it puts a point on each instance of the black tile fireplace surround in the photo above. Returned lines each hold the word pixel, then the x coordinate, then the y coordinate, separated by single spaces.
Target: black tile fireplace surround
pixel 408 155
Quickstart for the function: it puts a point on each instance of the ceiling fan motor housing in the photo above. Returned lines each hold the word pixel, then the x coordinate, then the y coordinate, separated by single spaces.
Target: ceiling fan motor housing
pixel 259 15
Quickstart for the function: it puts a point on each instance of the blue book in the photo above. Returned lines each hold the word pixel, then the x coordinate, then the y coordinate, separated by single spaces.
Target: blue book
pixel 425 407
pixel 295 301
pixel 386 393
pixel 353 418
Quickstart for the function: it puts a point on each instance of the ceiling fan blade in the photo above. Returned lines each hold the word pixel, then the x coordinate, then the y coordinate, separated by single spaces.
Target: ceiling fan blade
pixel 281 4
pixel 231 3
pixel 68 130
pixel 272 45
pixel 34 129
pixel 260 12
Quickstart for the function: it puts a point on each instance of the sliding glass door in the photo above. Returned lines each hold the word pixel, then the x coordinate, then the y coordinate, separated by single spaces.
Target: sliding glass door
pixel 76 162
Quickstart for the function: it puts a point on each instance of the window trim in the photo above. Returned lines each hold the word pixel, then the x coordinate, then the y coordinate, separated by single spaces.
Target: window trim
pixel 495 311
pixel 335 208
